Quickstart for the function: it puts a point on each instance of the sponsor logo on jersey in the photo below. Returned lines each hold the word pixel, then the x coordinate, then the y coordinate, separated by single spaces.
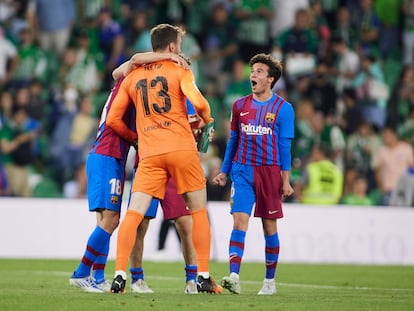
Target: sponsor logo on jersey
pixel 157 126
pixel 251 129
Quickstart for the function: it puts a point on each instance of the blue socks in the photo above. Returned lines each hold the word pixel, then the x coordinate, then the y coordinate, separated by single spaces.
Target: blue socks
pixel 271 254
pixel 97 246
pixel 236 249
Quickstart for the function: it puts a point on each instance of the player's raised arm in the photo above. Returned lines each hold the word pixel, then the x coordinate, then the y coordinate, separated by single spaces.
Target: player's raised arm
pixel 139 59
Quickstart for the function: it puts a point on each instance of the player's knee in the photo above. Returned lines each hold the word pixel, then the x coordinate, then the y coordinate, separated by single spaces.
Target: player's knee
pixel 109 224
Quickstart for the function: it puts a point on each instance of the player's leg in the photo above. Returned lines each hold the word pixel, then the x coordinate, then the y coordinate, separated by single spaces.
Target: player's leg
pixel 174 208
pixel 138 284
pixel 268 189
pixel 184 226
pixel 243 199
pixel 186 171
pixel 106 202
pixel 149 182
pixel 126 237
pixel 271 256
pixel 107 220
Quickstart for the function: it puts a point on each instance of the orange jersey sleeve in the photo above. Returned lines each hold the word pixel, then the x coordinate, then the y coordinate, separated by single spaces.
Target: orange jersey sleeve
pixel 157 90
pixel 193 94
pixel 115 115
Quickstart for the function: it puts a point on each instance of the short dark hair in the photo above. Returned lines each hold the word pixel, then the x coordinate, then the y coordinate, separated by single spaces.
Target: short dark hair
pixel 164 34
pixel 275 65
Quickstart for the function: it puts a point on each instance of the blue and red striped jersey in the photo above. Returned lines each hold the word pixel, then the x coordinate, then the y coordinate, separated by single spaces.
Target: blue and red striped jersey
pixel 259 127
pixel 107 142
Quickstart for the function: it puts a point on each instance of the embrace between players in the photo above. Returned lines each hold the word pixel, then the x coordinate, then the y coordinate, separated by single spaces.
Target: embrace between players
pixel 148 102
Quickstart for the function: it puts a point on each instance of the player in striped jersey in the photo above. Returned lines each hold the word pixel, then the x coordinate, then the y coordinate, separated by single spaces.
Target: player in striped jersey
pixel 105 186
pixel 257 158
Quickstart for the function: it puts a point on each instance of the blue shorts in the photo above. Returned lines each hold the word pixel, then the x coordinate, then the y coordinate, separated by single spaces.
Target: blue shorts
pixel 106 177
pixel 258 186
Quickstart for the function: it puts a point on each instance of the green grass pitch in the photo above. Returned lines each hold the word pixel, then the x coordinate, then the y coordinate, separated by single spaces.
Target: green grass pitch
pixel 29 284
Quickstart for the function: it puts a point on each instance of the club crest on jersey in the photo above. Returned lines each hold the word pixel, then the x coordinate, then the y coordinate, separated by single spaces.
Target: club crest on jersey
pixel 270 117
pixel 114 199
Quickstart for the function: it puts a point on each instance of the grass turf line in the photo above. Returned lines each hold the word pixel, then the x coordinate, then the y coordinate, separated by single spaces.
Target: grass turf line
pixel 40 284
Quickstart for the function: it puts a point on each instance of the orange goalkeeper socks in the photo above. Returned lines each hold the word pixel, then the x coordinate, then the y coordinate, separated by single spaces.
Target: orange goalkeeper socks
pixel 201 239
pixel 126 238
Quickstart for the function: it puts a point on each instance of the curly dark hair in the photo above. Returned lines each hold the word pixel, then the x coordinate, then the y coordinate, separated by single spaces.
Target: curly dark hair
pixel 275 65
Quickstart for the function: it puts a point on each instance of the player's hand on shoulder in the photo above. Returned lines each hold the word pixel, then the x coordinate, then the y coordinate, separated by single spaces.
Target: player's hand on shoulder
pixel 180 60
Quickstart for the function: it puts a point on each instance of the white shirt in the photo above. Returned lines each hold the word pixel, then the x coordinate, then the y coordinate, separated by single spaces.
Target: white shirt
pixel 7 51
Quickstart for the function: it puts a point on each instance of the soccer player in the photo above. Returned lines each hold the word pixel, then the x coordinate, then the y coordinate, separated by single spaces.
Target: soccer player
pixel 257 157
pixel 166 146
pixel 174 208
pixel 105 186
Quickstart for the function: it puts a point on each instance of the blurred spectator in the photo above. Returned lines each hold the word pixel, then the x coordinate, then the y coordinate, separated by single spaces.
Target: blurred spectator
pixel 322 180
pixel 112 44
pixel 24 99
pixel 359 195
pixel 406 129
pixel 329 9
pixel 37 107
pixel 402 99
pixel 81 135
pixel 8 59
pixel 191 49
pixel 407 9
pixel 372 91
pixel 304 134
pixel 346 66
pixel 32 63
pixel 253 31
pixel 403 193
pixel 322 92
pixel 60 136
pixel 389 16
pixel 343 27
pixel 238 86
pixel 52 22
pixel 6 107
pixel 219 47
pixel 391 161
pixel 79 67
pixel 368 28
pixel 350 176
pixel 320 26
pixel 299 46
pixel 138 33
pixel 7 11
pixel 360 151
pixel 16 142
pixel 285 14
pixel 351 116
pixel 327 132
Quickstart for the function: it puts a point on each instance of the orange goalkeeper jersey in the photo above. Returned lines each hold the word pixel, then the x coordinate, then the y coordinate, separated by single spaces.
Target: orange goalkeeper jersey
pixel 158 91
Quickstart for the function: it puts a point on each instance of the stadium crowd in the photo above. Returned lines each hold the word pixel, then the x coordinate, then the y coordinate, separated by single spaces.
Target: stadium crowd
pixel 348 71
